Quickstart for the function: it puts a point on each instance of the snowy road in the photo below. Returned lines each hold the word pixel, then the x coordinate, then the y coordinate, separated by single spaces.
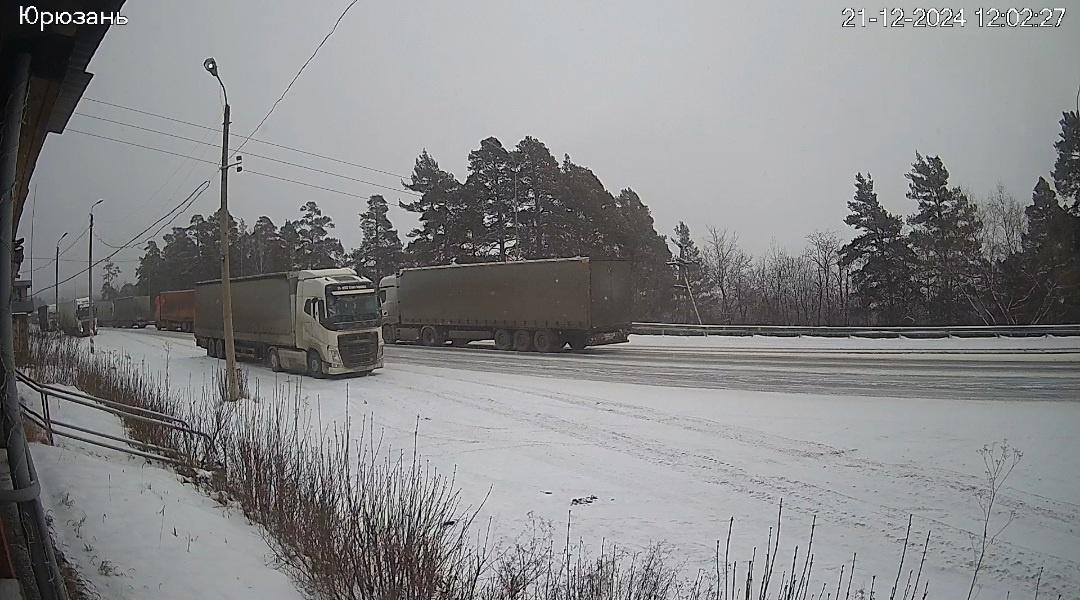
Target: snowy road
pixel 858 434
pixel 981 372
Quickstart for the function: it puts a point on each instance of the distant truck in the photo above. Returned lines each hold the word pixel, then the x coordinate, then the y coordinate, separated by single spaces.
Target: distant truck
pixel 540 305
pixel 132 311
pixel 319 321
pixel 76 318
pixel 47 318
pixel 175 310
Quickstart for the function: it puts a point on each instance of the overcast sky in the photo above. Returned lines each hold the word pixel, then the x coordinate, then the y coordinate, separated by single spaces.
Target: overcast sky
pixel 752 117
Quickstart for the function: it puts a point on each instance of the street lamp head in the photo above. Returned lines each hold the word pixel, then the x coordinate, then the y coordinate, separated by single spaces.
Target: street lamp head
pixel 61 238
pixel 211 66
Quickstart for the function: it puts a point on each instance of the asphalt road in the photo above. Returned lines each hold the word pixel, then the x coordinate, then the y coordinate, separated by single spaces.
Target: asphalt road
pixel 904 373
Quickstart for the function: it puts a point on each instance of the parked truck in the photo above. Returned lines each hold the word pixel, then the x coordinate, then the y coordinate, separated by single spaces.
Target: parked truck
pixel 175 310
pixel 76 318
pixel 540 305
pixel 132 311
pixel 319 322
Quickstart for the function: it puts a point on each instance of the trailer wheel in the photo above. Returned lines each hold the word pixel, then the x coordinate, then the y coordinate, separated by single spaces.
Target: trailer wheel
pixel 210 348
pixel 523 341
pixel 274 360
pixel 429 336
pixel 577 342
pixel 314 364
pixel 546 340
pixel 220 349
pixel 504 340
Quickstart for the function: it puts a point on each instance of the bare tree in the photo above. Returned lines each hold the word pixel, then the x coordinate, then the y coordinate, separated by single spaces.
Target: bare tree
pixel 824 253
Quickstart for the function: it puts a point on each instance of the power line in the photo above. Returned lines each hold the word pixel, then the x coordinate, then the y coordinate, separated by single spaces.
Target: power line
pixel 253 139
pixel 298 182
pixel 269 158
pixel 297 76
pixel 174 212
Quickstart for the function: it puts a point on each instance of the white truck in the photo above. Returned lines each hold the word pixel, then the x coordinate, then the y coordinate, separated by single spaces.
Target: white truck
pixel 76 318
pixel 318 321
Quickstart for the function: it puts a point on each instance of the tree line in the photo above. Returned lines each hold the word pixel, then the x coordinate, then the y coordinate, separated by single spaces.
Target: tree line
pixel 514 204
pixel 953 260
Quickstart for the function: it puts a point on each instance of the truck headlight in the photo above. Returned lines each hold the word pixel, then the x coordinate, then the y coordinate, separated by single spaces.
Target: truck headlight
pixel 333 353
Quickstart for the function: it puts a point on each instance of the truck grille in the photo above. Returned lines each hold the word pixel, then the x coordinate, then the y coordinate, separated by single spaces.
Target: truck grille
pixel 359 349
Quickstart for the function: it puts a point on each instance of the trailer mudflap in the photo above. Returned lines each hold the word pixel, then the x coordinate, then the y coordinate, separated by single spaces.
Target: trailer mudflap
pixel 607 337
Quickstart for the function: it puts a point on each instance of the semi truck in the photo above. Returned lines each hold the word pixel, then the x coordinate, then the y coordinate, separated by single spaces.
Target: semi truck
pixel 541 305
pixel 132 311
pixel 175 310
pixel 318 321
pixel 76 318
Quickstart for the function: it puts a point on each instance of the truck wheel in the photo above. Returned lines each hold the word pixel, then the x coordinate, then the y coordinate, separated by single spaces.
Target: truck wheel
pixel 504 340
pixel 210 348
pixel 523 341
pixel 274 360
pixel 314 364
pixel 221 349
pixel 546 340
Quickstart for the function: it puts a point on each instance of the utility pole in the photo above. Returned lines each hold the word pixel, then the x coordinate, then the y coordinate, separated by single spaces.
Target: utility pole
pixel 681 264
pixel 56 284
pixel 226 285
pixel 90 275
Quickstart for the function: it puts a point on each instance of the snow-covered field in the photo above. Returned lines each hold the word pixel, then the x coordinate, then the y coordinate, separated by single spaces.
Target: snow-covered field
pixel 674 463
pixel 134 530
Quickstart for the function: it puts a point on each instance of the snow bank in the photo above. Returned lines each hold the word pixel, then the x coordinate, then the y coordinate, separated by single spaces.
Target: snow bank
pixel 134 530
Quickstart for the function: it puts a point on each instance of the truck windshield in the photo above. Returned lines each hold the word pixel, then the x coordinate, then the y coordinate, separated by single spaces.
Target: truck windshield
pixel 348 308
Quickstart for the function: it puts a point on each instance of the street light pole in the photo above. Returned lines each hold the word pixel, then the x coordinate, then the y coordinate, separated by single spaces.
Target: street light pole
pixel 90 275
pixel 226 286
pixel 56 284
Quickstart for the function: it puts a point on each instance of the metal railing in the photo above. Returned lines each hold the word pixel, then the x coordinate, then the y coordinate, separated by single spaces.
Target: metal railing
pixel 963 331
pixel 53 427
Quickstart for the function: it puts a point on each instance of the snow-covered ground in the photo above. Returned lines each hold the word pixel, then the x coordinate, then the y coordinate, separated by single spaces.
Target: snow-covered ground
pixel 674 463
pixel 134 530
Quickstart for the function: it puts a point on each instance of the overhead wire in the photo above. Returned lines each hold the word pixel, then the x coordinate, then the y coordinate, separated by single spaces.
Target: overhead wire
pixel 253 139
pixel 264 157
pixel 297 76
pixel 253 172
pixel 174 212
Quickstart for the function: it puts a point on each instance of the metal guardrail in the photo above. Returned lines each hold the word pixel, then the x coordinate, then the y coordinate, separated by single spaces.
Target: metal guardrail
pixel 53 427
pixel 964 331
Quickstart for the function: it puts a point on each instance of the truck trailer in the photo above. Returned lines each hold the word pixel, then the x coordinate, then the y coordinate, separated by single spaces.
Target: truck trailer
pixel 175 310
pixel 132 311
pixel 540 305
pixel 319 321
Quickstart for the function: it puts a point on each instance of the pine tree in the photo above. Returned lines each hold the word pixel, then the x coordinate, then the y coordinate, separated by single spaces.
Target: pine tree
pixel 536 179
pixel 265 246
pixel 1051 265
pixel 180 260
pixel 451 227
pixel 109 274
pixel 380 251
pixel 879 255
pixel 583 225
pixel 318 249
pixel 150 274
pixel 635 236
pixel 945 237
pixel 491 185
pixel 1067 165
